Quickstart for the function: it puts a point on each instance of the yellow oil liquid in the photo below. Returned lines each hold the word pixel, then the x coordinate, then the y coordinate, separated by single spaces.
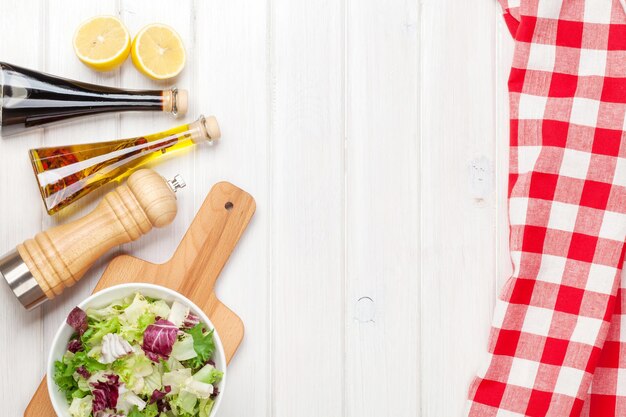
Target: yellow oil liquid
pixel 67 173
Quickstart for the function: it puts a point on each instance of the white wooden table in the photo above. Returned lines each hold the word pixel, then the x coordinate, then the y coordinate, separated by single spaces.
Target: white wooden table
pixel 373 135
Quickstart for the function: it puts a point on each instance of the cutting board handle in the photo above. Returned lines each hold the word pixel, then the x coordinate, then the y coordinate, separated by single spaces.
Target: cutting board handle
pixel 207 244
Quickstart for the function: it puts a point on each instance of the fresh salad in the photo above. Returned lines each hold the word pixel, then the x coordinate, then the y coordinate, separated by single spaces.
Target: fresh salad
pixel 138 357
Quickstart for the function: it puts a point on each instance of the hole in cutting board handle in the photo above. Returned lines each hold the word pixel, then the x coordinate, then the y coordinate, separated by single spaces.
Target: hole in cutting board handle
pixel 228 206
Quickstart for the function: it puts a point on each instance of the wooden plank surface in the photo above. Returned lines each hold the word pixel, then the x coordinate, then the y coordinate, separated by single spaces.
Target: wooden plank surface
pixel 307 193
pixel 458 203
pixel 373 136
pixel 231 82
pixel 382 207
pixel 22 340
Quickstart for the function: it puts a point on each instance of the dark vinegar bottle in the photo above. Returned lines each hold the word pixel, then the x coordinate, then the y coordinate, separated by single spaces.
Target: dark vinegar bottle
pixel 30 99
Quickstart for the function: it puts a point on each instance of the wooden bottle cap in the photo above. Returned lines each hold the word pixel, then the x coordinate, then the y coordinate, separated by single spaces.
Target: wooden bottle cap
pixel 182 102
pixel 176 101
pixel 212 128
pixel 205 129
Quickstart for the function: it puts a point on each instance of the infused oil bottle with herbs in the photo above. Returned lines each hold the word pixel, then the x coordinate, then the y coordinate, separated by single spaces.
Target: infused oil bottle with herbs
pixel 66 173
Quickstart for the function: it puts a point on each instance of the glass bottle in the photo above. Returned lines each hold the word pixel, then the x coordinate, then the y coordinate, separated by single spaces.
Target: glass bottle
pixel 30 99
pixel 66 173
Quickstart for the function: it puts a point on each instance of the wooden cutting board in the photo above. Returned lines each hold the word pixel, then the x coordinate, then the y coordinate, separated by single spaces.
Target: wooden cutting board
pixel 192 270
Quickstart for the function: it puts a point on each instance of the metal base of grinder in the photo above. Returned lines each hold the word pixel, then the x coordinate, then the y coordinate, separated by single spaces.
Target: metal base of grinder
pixel 23 284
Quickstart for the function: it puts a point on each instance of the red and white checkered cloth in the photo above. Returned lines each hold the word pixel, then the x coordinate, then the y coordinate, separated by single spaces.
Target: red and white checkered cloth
pixel 556 346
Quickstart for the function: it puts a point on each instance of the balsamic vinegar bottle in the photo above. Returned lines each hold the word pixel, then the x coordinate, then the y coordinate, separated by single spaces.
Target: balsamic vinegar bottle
pixel 30 99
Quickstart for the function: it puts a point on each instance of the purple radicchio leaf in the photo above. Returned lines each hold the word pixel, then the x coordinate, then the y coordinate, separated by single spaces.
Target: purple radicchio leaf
pixel 158 397
pixel 82 371
pixel 158 340
pixel 216 392
pixel 190 321
pixel 78 320
pixel 105 394
pixel 163 406
pixel 74 346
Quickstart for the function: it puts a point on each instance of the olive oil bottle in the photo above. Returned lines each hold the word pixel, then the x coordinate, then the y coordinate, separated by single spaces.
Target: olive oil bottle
pixel 65 174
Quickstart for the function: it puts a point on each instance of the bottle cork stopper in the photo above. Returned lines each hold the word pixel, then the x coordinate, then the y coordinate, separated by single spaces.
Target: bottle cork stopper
pixel 182 102
pixel 176 101
pixel 212 128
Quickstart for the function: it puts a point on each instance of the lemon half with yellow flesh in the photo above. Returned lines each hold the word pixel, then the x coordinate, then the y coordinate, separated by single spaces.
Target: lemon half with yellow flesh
pixel 102 43
pixel 158 52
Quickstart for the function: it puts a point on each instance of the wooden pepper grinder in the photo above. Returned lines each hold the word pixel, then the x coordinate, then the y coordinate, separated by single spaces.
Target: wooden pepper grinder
pixel 41 268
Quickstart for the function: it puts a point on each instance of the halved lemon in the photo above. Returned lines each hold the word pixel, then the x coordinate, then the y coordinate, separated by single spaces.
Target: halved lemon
pixel 158 52
pixel 102 43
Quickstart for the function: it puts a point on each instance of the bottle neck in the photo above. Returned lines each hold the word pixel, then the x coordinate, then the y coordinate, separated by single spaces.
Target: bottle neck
pixel 76 94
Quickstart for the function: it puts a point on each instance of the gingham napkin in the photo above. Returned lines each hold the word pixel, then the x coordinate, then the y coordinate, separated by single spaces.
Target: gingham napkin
pixel 556 346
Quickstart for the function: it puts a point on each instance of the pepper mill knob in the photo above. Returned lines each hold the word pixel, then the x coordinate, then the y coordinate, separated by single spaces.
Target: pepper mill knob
pixel 177 183
pixel 154 195
pixel 42 267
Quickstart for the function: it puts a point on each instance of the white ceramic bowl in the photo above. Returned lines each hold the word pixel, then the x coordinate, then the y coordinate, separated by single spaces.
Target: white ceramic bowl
pixel 105 297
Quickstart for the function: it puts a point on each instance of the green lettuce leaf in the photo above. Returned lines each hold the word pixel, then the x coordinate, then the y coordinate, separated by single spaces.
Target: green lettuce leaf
pixel 133 332
pixel 105 313
pixel 165 364
pixel 184 402
pixel 92 365
pixel 65 369
pixel 138 307
pixel 133 369
pixel 176 379
pixel 83 384
pixel 98 329
pixel 160 308
pixel 183 349
pixel 206 405
pixel 203 344
pixel 172 364
pixel 209 374
pixel 151 410
pixel 81 407
pixel 80 393
pixel 151 382
pixel 63 377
